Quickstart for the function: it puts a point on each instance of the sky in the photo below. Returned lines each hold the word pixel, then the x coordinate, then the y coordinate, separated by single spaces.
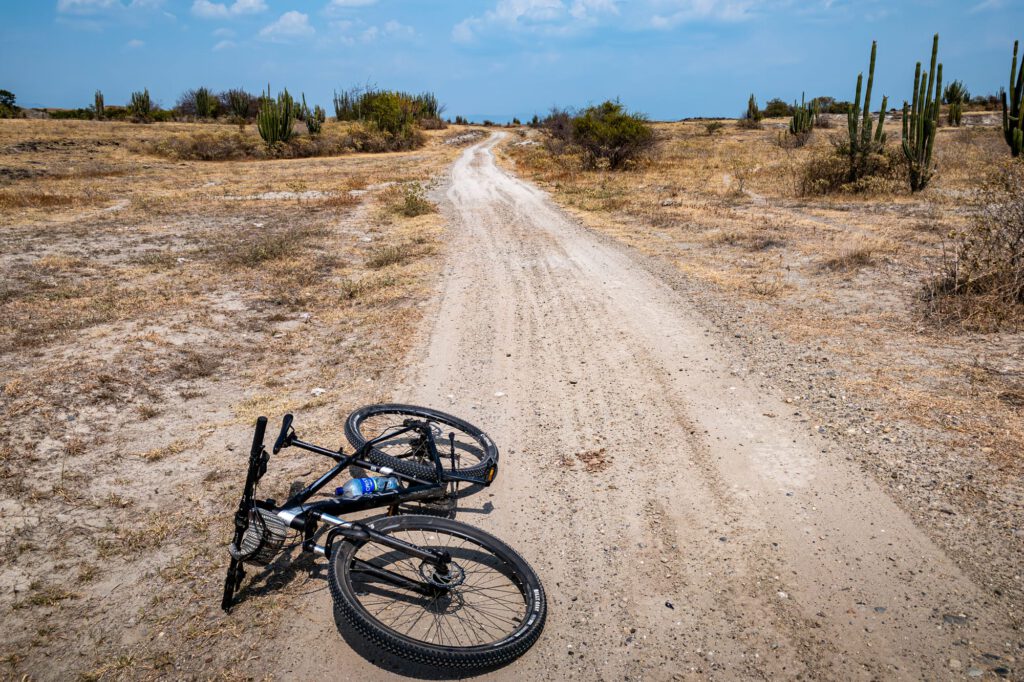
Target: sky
pixel 497 59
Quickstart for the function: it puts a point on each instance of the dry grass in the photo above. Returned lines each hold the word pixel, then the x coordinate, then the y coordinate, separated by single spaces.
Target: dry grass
pixel 150 309
pixel 837 275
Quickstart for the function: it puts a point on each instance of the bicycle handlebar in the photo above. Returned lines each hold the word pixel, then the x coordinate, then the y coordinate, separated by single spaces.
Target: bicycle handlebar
pixel 257 437
pixel 286 424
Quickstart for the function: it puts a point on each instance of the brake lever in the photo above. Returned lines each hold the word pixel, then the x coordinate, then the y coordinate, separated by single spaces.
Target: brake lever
pixel 284 439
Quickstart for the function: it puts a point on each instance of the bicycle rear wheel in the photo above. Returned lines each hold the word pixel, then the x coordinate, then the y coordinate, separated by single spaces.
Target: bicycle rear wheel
pixel 492 612
pixel 475 452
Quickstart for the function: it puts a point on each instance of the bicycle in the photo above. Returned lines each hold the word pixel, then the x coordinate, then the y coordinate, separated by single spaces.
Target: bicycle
pixel 430 590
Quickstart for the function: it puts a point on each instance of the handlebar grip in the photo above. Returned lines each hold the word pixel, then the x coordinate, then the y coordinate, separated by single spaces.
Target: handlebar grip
pixel 286 424
pixel 257 436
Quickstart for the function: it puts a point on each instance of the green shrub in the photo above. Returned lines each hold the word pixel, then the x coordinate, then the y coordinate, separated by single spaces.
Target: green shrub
pixel 776 108
pixel 410 201
pixel 8 108
pixel 714 127
pixel 390 110
pixel 610 133
pixel 97 107
pixel 241 104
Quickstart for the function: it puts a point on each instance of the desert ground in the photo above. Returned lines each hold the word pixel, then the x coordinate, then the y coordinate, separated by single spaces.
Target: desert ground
pixel 734 443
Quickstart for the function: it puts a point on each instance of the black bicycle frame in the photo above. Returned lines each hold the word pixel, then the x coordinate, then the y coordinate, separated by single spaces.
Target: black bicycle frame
pixel 307 517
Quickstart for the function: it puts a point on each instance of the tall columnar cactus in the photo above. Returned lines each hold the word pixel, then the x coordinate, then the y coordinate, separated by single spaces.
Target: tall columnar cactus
pixel 98 109
pixel 921 122
pixel 865 137
pixel 1013 118
pixel 804 117
pixel 206 103
pixel 140 105
pixel 753 112
pixel 314 118
pixel 276 117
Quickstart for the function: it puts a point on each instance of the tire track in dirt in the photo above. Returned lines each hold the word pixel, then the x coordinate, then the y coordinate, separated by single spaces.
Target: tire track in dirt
pixel 682 521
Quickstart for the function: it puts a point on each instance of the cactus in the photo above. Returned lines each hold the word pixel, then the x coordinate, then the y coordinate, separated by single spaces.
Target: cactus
pixel 753 112
pixel 276 117
pixel 206 103
pixel 921 122
pixel 804 117
pixel 1013 116
pixel 141 106
pixel 865 138
pixel 955 95
pixel 314 118
pixel 97 108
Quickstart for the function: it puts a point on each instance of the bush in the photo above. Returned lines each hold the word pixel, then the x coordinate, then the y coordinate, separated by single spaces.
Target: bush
pixel 8 108
pixel 714 127
pixel 221 145
pixel 828 173
pixel 410 201
pixel 207 146
pixel 241 104
pixel 776 108
pixel 981 285
pixel 610 133
pixel 390 110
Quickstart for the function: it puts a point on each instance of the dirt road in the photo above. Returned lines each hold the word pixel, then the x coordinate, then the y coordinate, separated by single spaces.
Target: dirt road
pixel 682 517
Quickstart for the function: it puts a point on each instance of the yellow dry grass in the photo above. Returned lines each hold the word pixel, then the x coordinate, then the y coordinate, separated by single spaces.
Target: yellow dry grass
pixel 149 311
pixel 839 274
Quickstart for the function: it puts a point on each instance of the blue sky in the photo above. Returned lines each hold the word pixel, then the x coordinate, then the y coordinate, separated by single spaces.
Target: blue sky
pixel 501 58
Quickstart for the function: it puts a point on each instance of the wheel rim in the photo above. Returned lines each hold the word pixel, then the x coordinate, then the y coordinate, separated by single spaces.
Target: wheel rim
pixel 469 451
pixel 487 603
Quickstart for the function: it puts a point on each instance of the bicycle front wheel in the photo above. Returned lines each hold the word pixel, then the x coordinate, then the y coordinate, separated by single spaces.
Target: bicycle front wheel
pixel 492 611
pixel 475 452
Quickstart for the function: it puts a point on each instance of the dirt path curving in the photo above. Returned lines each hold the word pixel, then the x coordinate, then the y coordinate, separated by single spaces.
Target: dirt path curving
pixel 681 517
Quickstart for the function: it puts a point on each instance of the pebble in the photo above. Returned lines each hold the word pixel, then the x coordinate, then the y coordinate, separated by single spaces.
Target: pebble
pixel 316 392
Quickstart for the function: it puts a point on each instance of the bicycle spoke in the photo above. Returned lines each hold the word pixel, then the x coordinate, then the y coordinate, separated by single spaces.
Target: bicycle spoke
pixel 487 606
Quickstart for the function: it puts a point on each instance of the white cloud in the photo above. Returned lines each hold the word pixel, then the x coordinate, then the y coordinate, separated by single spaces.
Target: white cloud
pixel 103 6
pixel 224 45
pixel 289 26
pixel 339 4
pixel 224 33
pixel 350 32
pixel 582 9
pixel 987 5
pixel 218 10
pixel 671 13
pixel 86 6
pixel 134 44
pixel 550 17
pixel 553 18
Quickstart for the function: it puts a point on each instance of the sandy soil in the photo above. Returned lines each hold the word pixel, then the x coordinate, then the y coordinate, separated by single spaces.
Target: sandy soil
pixel 684 521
